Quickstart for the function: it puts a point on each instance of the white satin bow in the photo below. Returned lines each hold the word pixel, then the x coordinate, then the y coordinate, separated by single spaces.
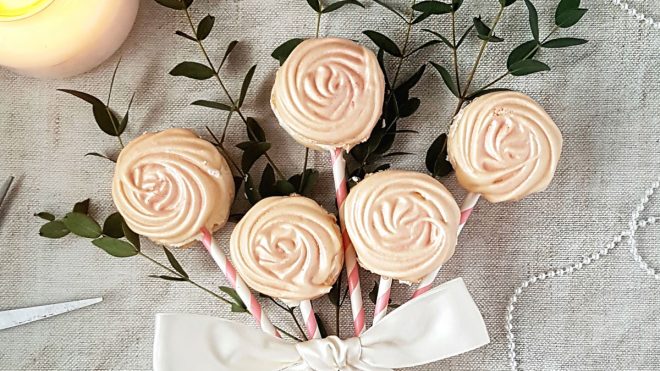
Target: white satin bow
pixel 440 324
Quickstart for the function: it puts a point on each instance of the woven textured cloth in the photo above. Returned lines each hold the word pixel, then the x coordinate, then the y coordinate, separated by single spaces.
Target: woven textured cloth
pixel 603 96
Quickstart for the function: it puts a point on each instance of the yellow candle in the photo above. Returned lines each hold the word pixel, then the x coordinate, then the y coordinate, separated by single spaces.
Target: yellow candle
pixel 62 38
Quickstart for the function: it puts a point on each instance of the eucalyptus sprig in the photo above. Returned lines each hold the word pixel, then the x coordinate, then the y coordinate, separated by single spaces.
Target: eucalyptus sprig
pixel 520 62
pixel 117 239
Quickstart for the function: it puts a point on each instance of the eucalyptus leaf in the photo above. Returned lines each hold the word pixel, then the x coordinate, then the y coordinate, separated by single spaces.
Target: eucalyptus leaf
pixel 82 225
pixel 464 36
pixel 381 168
pixel 192 70
pixel 437 34
pixel 53 229
pixel 484 31
pixel 527 67
pixel 334 6
pixel 212 104
pixel 566 5
pixel 246 85
pixel 185 36
pixel 45 216
pixel 251 153
pixel 563 42
pixel 175 4
pixel 506 3
pixel 124 121
pixel 384 43
pixel 311 178
pixel 130 235
pixel 446 77
pixel 251 193
pixel 82 206
pixel 436 157
pixel 523 51
pixel 174 263
pixel 228 51
pixel 569 18
pixel 373 294
pixel 105 118
pixel 335 292
pixel 267 183
pixel 96 154
pixel 424 46
pixel 409 108
pixel 391 9
pixel 319 322
pixel 205 26
pixel 284 188
pixel 315 4
pixel 410 82
pixel 254 130
pixel 397 154
pixel 380 56
pixel 456 4
pixel 433 7
pixel 421 18
pixel 234 295
pixel 533 19
pixel 113 226
pixel 168 278
pixel 282 52
pixel 115 247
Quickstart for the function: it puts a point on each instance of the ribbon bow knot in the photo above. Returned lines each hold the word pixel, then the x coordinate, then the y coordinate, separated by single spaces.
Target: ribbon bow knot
pixel 439 324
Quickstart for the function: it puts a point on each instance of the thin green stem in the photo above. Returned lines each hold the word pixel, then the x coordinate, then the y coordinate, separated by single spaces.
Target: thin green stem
pixel 293 315
pixel 115 125
pixel 481 53
pixel 405 44
pixel 318 23
pixel 224 130
pixel 234 105
pixel 225 154
pixel 455 51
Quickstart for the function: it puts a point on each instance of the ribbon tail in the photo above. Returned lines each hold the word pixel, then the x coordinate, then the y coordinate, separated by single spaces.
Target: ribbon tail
pixel 440 324
pixel 186 342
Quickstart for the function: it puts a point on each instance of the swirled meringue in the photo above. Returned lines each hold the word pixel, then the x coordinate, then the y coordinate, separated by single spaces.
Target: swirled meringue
pixel 170 184
pixel 504 146
pixel 403 224
pixel 288 248
pixel 329 93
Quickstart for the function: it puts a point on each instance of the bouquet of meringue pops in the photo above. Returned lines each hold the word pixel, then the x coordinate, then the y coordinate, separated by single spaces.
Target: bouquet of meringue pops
pixel 176 189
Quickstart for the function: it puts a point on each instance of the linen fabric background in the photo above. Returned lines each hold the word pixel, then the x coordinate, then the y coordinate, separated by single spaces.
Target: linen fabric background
pixel 603 96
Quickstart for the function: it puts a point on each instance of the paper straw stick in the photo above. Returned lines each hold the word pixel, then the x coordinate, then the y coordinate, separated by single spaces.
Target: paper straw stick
pixel 383 298
pixel 310 320
pixel 469 203
pixel 350 259
pixel 237 283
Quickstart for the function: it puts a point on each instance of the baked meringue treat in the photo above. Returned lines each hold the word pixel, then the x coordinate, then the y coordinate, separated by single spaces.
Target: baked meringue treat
pixel 504 146
pixel 403 224
pixel 329 93
pixel 288 247
pixel 170 184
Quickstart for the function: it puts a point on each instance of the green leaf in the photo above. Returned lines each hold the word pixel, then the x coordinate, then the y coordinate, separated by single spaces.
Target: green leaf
pixel 168 278
pixel 53 229
pixel 246 84
pixel 82 225
pixel 130 235
pixel 175 4
pixel 484 31
pixel 192 70
pixel 124 121
pixel 484 91
pixel 45 216
pixel 569 18
pixel 267 183
pixel 238 306
pixel 433 7
pixel 334 6
pixel 533 19
pixel 251 153
pixel 81 207
pixel 113 226
pixel 373 294
pixel 380 57
pixel 96 154
pixel 185 36
pixel 421 17
pixel 284 188
pixel 251 193
pixel 384 43
pixel 506 3
pixel 315 4
pixel 456 4
pixel 527 67
pixel 409 108
pixel 397 154
pixel 106 120
pixel 523 51
pixel 388 7
pixel 412 80
pixel 565 5
pixel 464 36
pixel 321 326
pixel 563 42
pixel 254 130
pixel 115 247
pixel 174 263
pixel 436 157
pixel 205 26
pixel 228 51
pixel 424 46
pixel 444 39
pixel 311 178
pixel 212 104
pixel 282 52
pixel 335 292
pixel 446 77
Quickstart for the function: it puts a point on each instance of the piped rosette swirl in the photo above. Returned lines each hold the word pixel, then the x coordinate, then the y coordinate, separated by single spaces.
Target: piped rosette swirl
pixel 329 93
pixel 288 248
pixel 504 146
pixel 402 224
pixel 171 184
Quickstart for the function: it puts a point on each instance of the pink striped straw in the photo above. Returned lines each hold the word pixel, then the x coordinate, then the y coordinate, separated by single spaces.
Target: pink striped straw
pixel 469 203
pixel 350 259
pixel 310 320
pixel 237 283
pixel 383 298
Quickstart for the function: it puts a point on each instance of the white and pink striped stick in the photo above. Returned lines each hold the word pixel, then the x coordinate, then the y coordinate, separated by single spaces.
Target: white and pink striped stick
pixel 350 259
pixel 469 203
pixel 237 283
pixel 310 320
pixel 383 298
